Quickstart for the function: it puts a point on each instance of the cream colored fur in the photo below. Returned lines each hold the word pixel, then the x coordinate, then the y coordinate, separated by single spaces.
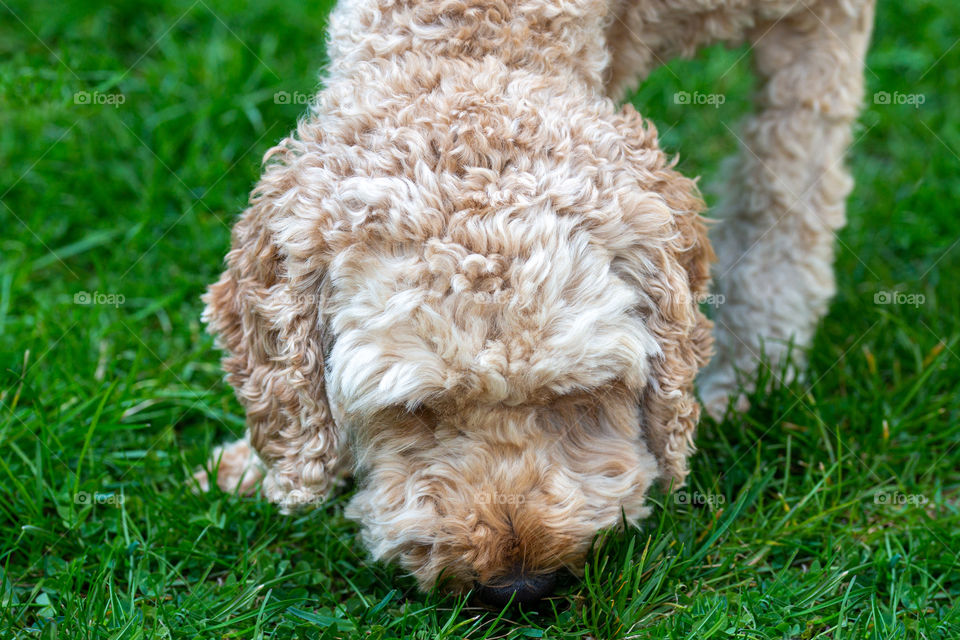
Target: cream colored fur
pixel 471 279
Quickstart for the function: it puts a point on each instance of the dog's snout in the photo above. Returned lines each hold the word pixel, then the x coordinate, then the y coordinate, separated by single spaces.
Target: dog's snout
pixel 524 587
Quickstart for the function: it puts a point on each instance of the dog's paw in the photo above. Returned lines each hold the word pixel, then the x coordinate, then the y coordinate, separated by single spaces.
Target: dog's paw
pixel 719 404
pixel 718 396
pixel 237 467
pixel 201 481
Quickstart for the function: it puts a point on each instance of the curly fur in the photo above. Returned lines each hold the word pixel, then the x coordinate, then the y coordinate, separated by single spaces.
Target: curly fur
pixel 471 279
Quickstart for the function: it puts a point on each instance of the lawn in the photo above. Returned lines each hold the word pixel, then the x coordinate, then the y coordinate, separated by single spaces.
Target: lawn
pixel 130 135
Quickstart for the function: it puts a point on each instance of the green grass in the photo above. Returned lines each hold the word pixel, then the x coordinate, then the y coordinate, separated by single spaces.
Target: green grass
pixel 795 527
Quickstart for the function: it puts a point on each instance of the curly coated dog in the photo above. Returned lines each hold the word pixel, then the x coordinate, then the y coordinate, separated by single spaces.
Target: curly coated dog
pixel 471 279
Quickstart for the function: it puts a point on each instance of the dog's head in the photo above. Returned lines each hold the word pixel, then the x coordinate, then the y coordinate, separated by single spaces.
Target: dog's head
pixel 488 304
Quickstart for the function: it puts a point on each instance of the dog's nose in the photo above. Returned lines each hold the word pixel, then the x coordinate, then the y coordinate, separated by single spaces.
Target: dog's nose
pixel 524 587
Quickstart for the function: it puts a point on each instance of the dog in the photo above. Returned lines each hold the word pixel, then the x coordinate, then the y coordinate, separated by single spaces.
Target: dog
pixel 471 280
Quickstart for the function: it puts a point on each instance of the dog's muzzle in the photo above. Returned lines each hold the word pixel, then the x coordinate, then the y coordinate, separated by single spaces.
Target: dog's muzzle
pixel 524 588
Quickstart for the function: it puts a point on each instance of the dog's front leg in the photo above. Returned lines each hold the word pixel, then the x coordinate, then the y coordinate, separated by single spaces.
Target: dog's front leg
pixel 787 192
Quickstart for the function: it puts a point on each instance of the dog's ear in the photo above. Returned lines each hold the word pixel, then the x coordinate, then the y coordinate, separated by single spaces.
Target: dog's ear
pixel 268 324
pixel 685 335
pixel 675 268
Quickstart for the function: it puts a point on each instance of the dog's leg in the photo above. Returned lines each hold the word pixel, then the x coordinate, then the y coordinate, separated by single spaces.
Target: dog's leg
pixel 237 467
pixel 787 192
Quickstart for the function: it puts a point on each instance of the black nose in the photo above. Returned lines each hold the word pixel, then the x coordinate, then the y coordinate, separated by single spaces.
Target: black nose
pixel 524 587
